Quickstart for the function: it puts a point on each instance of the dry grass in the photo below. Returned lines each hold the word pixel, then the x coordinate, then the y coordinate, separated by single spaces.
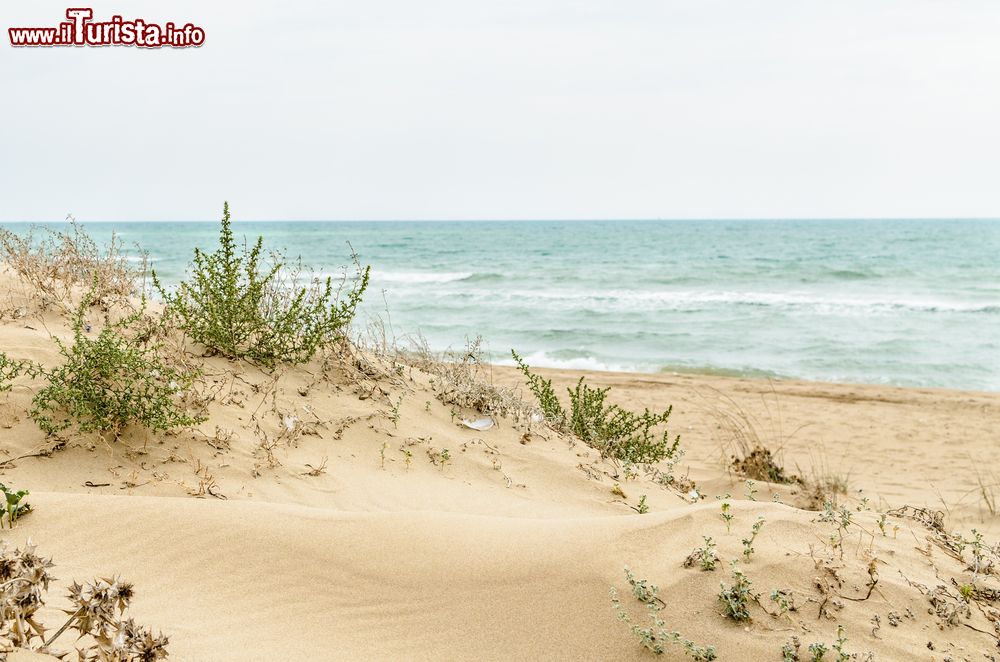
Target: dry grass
pixel 61 265
pixel 751 446
pixel 463 379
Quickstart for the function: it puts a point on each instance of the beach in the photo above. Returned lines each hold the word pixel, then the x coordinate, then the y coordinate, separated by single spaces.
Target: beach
pixel 343 511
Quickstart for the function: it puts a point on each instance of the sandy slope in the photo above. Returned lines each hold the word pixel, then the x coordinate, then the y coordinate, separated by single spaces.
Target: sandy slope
pixel 508 549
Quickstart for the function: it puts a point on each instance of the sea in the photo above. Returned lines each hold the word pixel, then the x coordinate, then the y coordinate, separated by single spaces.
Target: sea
pixel 906 302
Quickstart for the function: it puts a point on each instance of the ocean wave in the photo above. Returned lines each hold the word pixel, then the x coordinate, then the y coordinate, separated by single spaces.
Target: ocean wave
pixel 422 276
pixel 677 300
pixel 543 360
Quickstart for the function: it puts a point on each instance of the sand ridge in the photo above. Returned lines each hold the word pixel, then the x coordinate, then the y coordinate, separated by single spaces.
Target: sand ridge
pixel 341 512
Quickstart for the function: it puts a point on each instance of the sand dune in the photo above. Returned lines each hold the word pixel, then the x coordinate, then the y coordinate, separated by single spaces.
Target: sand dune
pixel 305 520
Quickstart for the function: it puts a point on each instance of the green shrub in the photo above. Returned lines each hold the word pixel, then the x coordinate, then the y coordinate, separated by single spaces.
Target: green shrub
pixel 542 388
pixel 11 369
pixel 242 309
pixel 111 381
pixel 614 431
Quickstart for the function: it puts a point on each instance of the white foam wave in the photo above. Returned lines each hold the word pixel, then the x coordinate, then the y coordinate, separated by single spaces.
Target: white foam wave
pixel 813 301
pixel 543 360
pixel 421 276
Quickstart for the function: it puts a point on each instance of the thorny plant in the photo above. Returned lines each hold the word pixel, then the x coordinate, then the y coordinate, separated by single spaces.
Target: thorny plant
pixel 58 264
pixel 615 432
pixel 111 381
pixel 655 638
pixel 96 614
pixel 236 306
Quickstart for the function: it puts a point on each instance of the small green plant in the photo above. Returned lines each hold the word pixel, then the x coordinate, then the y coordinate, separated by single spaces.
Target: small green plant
pixel 542 388
pixel 624 435
pixel 656 638
pixel 111 381
pixel 13 505
pixel 783 600
pixel 966 591
pixel 727 515
pixel 843 518
pixel 704 557
pixel 642 508
pixel 790 650
pixel 407 457
pixel 980 560
pixel 751 490
pixel 748 542
pixel 842 655
pixel 644 592
pixel 737 597
pixel 882 521
pixel 394 414
pixel 241 309
pixel 818 650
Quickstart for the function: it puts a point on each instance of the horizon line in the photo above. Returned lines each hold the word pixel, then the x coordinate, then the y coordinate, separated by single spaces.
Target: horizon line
pixel 534 220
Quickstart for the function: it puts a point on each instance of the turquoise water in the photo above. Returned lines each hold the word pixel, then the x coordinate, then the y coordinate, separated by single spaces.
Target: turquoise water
pixel 909 302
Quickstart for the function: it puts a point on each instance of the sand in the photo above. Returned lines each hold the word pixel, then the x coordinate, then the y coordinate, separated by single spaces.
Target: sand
pixel 340 546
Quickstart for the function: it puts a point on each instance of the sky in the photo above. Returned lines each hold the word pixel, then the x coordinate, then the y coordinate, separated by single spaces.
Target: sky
pixel 520 109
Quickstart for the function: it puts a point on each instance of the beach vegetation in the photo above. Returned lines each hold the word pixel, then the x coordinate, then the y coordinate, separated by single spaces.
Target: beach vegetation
pixel 11 369
pixel 737 597
pixel 704 557
pixel 616 432
pixel 111 381
pixel 655 638
pixel 13 505
pixel 642 507
pixel 748 549
pixel 97 614
pixel 60 265
pixel 244 305
pixel 727 513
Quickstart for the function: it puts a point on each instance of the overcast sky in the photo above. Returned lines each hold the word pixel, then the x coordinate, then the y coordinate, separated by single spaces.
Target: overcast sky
pixel 468 109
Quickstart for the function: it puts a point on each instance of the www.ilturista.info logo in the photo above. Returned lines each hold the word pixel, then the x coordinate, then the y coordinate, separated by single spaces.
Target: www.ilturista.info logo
pixel 81 30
